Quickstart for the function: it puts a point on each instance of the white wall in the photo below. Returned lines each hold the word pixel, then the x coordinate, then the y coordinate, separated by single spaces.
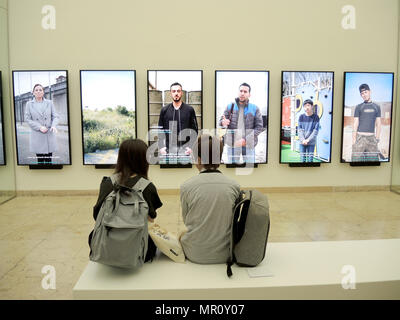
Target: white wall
pixel 207 35
pixel 396 145
pixel 7 173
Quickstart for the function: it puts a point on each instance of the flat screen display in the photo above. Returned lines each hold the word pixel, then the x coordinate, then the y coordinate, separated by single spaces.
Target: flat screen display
pixel 241 110
pixel 108 102
pixel 306 116
pixel 42 117
pixel 2 144
pixel 367 116
pixel 175 104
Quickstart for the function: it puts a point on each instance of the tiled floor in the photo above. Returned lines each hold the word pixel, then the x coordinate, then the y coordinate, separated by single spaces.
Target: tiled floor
pixel 40 231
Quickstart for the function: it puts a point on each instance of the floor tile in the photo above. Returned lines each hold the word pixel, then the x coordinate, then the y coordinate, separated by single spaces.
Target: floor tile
pixel 53 231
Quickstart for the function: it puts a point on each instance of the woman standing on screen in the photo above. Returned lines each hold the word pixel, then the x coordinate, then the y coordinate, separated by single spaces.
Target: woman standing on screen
pixel 42 118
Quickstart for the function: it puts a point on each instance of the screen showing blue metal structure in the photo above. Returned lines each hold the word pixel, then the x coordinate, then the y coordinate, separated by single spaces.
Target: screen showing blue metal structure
pixel 306 117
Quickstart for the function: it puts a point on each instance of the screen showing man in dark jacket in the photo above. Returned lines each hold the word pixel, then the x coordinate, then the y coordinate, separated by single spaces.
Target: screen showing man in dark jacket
pixel 175 118
pixel 244 123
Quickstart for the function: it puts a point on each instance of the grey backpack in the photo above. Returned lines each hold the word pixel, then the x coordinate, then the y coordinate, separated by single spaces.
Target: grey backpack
pixel 249 231
pixel 120 234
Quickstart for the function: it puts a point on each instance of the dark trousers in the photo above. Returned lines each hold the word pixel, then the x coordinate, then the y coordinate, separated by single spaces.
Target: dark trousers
pixel 306 152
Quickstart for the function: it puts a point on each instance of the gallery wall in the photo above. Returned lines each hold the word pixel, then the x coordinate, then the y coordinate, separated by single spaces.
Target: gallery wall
pixel 396 139
pixel 7 172
pixel 205 35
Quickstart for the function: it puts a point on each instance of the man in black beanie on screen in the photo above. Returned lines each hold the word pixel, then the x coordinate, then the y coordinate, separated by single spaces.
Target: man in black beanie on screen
pixel 366 128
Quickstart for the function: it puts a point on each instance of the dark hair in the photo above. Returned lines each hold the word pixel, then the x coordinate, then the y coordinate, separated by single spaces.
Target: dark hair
pixel 363 87
pixel 246 85
pixel 37 84
pixel 175 84
pixel 132 159
pixel 209 149
pixel 308 101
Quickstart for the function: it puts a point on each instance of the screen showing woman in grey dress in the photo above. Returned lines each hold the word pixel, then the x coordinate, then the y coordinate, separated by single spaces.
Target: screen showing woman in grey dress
pixel 42 118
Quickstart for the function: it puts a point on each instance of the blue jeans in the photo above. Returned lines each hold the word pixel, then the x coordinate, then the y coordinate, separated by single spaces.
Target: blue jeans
pixel 306 152
pixel 249 155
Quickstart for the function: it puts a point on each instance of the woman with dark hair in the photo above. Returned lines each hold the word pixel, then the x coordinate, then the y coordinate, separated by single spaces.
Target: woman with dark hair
pixel 42 118
pixel 131 166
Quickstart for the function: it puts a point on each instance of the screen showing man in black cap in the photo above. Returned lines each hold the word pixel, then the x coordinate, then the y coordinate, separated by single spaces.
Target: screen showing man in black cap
pixel 308 131
pixel 366 128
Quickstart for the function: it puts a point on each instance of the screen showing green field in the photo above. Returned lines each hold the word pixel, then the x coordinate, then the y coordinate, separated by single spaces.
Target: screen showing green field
pixel 108 100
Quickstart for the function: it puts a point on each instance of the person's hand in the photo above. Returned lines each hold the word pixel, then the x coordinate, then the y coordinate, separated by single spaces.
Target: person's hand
pixel 188 151
pixel 240 143
pixel 53 129
pixel 43 129
pixel 225 122
pixel 163 151
pixel 305 142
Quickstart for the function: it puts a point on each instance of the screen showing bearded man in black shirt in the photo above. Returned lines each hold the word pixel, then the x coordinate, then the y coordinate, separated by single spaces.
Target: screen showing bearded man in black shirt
pixel 174 119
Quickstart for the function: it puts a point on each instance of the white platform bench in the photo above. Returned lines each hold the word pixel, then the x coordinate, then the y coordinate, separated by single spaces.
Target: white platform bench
pixel 291 270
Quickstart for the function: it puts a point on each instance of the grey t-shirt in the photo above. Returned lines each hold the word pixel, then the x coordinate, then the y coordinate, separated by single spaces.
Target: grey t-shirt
pixel 207 201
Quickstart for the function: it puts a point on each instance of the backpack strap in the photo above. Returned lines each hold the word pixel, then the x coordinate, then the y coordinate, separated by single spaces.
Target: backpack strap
pixel 114 178
pixel 239 202
pixel 230 112
pixel 141 184
pixel 229 268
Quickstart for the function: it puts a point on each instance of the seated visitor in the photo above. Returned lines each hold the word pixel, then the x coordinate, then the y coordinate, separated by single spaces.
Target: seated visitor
pixel 207 201
pixel 131 166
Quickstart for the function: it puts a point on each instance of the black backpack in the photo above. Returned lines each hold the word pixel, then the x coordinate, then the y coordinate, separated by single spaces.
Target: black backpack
pixel 250 229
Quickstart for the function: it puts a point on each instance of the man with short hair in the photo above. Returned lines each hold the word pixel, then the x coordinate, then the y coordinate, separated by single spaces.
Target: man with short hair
pixel 174 118
pixel 308 131
pixel 366 128
pixel 207 201
pixel 244 123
